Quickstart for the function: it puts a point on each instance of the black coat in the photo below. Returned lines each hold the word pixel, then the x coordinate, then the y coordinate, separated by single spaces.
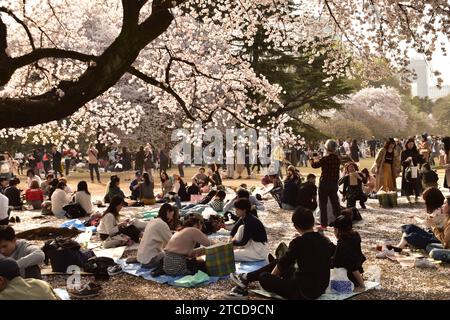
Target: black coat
pixel 307 196
pixel 409 185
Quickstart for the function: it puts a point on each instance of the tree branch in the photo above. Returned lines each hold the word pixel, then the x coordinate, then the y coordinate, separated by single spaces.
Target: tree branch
pixel 45 53
pixel 11 14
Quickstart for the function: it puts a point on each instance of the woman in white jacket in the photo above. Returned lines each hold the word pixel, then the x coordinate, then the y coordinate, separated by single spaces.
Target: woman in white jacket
pixel 59 199
pixel 83 197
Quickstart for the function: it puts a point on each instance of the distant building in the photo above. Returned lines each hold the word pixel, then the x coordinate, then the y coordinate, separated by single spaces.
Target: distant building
pixel 421 87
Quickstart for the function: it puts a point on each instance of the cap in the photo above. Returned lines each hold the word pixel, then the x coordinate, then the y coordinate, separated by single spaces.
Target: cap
pixel 9 269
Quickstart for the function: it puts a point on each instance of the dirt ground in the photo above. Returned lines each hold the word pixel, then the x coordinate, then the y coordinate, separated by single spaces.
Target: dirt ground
pixel 378 225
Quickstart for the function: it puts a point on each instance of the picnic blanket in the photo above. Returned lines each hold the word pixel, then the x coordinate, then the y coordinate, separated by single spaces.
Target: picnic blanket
pixel 113 253
pixel 77 224
pixel 135 269
pixel 326 296
pixel 62 293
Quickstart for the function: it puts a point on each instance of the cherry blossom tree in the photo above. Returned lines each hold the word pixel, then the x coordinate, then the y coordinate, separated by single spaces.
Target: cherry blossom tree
pixel 71 60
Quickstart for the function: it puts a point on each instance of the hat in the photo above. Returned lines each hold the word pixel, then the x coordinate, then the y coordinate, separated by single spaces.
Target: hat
pixel 343 222
pixel 9 269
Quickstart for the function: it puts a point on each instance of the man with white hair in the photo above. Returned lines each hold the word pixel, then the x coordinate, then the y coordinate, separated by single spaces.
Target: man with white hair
pixel 328 185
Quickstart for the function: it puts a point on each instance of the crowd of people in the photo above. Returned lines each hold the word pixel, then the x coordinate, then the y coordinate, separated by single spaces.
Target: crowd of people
pixel 172 243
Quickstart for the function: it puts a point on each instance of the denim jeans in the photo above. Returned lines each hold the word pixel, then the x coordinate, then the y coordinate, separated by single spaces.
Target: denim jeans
pixel 418 237
pixel 93 167
pixel 437 252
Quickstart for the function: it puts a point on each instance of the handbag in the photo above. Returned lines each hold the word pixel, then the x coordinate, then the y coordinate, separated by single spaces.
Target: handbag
pixel 220 259
pixel 74 210
pixel 64 252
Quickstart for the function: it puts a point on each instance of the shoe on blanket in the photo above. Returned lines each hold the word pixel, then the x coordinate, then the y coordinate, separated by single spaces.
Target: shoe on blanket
pixel 158 272
pixel 88 291
pixel 240 280
pixel 385 254
pixel 238 292
pixel 113 270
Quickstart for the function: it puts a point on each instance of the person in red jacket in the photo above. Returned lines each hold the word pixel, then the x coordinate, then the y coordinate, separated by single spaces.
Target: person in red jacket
pixel 34 195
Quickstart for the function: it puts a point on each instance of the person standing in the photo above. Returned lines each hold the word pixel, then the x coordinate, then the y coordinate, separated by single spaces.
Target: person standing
pixel 328 184
pixel 139 160
pixel 93 163
pixel 354 151
pixel 386 167
pixel 126 159
pixel 56 162
pixel 346 146
pixel 373 146
pixel 163 160
pixel 446 142
pixel 46 161
pixel 411 159
pixel 149 162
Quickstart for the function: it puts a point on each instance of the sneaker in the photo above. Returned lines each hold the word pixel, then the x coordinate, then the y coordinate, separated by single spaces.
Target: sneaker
pixel 391 247
pixel 238 292
pixel 17 219
pixel 113 270
pixel 239 280
pixel 158 272
pixel 88 291
pixel 424 263
pixel 12 220
pixel 385 254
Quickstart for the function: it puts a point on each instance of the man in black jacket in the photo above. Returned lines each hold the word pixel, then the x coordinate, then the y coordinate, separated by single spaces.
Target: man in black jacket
pixel 56 162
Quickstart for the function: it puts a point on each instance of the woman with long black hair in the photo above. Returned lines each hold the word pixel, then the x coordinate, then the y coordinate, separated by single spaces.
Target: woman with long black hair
pixel 146 190
pixel 446 142
pixel 83 197
pixel 411 159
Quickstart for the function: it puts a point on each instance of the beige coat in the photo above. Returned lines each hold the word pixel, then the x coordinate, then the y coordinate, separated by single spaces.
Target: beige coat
pixel 377 168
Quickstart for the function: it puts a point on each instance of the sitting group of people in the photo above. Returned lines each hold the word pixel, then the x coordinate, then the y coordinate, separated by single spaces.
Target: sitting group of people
pixel 50 195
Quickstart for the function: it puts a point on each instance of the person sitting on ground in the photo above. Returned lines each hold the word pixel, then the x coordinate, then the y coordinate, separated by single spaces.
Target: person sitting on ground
pixel 146 187
pixel 166 184
pixel 15 287
pixel 353 181
pixel 244 194
pixel 46 185
pixel 59 200
pixel 3 184
pixel 156 236
pixel 213 224
pixel 214 177
pixel 32 176
pixel 248 234
pixel 347 252
pixel 437 220
pixel 429 177
pixel 217 203
pixel 111 231
pixel 134 186
pixel 307 193
pixel 113 189
pixel 27 256
pixel 311 251
pixel 290 190
pixel 4 210
pixel 13 194
pixel 200 178
pixel 369 185
pixel 34 195
pixel 83 197
pixel 179 187
pixel 67 188
pixel 180 256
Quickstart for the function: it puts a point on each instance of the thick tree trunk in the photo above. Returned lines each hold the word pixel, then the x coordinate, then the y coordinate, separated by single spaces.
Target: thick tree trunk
pixel 102 74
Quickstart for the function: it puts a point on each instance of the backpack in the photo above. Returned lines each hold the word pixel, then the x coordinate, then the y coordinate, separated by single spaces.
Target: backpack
pixel 99 267
pixel 64 252
pixel 74 210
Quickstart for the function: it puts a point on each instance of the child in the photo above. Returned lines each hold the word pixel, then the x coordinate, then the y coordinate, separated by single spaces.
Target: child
pixel 347 252
pixel 311 251
pixel 353 181
pixel 34 195
pixel 27 256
